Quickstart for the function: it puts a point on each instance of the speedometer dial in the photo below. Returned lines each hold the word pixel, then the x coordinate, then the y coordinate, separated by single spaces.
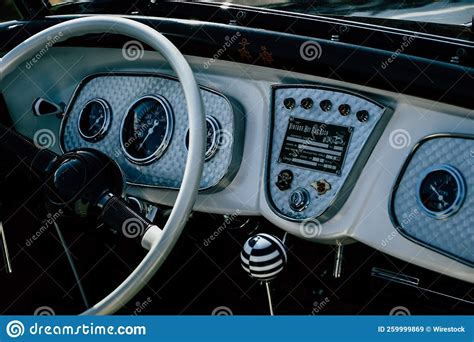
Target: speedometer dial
pixel 94 120
pixel 147 129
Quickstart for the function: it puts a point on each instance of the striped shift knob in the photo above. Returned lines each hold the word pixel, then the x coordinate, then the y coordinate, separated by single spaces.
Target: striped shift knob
pixel 263 256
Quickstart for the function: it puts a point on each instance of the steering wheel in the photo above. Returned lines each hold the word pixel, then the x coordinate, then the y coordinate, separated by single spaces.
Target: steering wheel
pixel 105 196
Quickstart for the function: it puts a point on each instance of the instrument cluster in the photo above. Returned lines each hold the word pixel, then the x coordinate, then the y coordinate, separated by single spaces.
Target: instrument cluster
pixel 141 121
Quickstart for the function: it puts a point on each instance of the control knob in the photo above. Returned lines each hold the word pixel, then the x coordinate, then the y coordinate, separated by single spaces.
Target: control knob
pixel 299 199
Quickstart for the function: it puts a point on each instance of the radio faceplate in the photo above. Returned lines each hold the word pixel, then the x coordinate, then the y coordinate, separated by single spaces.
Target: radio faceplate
pixel 321 138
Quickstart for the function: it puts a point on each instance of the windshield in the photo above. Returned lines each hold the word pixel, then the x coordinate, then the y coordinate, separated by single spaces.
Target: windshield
pixel 441 11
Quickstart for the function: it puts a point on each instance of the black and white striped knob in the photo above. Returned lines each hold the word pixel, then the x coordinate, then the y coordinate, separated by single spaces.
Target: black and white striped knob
pixel 263 256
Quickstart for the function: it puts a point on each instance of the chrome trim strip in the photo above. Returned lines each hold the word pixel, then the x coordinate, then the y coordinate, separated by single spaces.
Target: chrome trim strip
pixel 396 277
pixel 402 279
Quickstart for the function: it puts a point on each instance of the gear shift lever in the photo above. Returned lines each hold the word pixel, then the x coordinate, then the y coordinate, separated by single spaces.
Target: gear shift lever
pixel 263 257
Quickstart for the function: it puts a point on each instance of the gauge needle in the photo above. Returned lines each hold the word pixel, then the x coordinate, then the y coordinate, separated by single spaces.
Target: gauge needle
pixel 96 122
pixel 440 197
pixel 150 132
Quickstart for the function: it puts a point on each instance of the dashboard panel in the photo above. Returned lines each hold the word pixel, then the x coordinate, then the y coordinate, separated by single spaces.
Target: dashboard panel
pixel 141 121
pixel 320 139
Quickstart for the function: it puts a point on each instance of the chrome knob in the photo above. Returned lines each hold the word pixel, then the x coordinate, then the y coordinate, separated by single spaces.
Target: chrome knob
pixel 299 199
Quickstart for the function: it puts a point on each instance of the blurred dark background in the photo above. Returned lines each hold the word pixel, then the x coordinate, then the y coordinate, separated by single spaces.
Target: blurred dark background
pixel 8 11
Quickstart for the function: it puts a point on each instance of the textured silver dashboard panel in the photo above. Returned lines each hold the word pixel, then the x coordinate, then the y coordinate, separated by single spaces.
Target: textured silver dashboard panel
pixel 453 236
pixel 120 91
pixel 304 177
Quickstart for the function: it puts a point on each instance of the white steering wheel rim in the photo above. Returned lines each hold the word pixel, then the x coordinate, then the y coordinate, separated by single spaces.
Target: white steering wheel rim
pixel 159 243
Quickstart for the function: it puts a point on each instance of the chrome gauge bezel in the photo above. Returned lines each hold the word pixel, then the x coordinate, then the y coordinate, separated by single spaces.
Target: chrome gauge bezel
pixel 216 127
pixel 212 150
pixel 105 126
pixel 168 132
pixel 460 196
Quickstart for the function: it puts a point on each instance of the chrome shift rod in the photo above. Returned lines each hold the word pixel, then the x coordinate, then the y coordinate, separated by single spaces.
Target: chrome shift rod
pixel 6 255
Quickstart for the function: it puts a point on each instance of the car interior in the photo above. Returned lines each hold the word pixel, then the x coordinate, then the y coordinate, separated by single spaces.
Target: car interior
pixel 263 157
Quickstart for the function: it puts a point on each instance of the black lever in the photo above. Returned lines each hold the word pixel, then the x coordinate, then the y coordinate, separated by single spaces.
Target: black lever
pixel 117 213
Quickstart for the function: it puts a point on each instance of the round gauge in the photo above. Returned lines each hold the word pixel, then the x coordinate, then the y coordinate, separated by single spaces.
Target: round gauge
pixel 94 120
pixel 441 191
pixel 212 137
pixel 146 129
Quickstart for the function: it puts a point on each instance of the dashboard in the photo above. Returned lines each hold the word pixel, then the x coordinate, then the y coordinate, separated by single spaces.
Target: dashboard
pixel 325 160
